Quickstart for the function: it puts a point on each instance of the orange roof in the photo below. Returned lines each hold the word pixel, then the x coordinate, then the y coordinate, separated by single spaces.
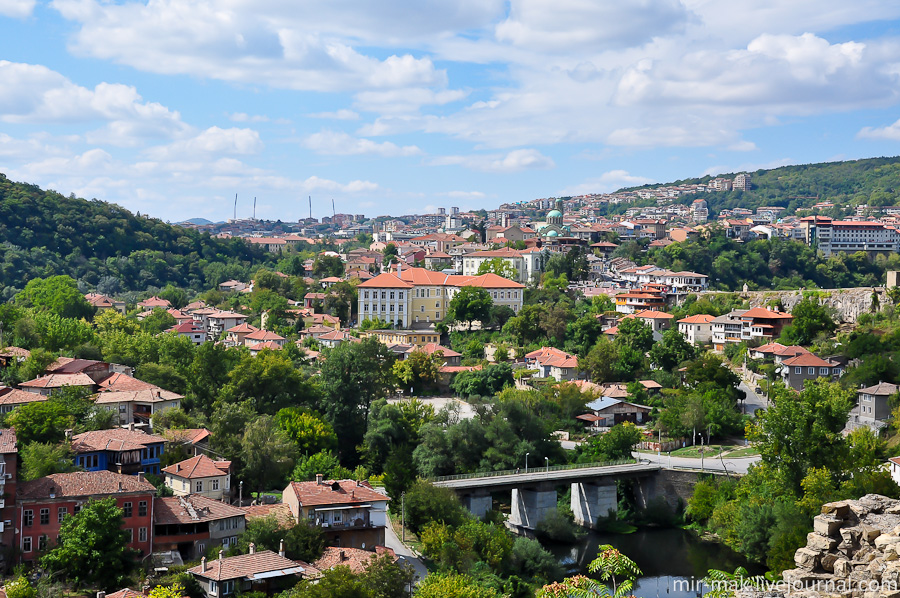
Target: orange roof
pixel 763 313
pixel 263 335
pixel 387 280
pixel 808 360
pixel 200 466
pixel 356 559
pixel 59 380
pixel 251 565
pixel 266 345
pixel 17 397
pixel 193 508
pixel 698 319
pixel 245 327
pixel 115 439
pixel 649 314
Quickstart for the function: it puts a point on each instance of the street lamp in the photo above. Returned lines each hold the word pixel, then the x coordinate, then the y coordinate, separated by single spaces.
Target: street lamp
pixel 241 494
pixel 547 463
pixel 526 462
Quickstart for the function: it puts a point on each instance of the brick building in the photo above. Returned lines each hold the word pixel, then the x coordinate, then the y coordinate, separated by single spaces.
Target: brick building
pixel 43 504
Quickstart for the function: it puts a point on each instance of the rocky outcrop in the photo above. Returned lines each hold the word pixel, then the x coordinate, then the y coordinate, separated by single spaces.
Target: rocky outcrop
pixel 852 552
pixel 848 303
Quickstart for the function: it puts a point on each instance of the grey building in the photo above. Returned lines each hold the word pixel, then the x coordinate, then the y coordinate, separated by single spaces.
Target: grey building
pixel 873 406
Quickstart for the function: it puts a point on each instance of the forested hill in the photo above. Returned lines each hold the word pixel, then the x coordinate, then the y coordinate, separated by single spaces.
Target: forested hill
pixel 873 182
pixel 106 247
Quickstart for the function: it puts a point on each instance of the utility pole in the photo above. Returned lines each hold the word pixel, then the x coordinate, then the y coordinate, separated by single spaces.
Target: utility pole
pixel 403 517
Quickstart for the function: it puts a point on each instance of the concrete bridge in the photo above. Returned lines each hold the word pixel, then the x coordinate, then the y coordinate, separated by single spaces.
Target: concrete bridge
pixel 534 492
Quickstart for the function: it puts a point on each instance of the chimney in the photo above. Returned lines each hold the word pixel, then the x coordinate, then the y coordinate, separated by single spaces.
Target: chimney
pixel 252 548
pixel 131 426
pixel 343 556
pixel 221 555
pixel 121 487
pixel 281 549
pixel 145 590
pixel 319 479
pixel 141 476
pixel 178 467
pixel 202 568
pixel 101 594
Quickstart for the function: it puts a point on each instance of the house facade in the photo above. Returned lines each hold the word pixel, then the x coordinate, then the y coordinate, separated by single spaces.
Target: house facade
pixel 797 370
pixel 119 450
pixel 200 476
pixel 697 330
pixel 350 513
pixel 191 524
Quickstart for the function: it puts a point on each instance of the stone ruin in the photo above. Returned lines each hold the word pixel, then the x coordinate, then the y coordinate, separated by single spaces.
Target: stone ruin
pixel 852 552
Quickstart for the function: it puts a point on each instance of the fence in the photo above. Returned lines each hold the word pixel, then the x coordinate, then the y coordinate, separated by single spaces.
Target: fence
pixel 491 474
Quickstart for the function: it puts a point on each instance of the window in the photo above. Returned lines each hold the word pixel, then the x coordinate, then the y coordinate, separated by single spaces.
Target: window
pixel 337 517
pixel 811 371
pixel 798 370
pixel 26 544
pixel 215 484
pixel 142 508
pixel 130 532
pixel 213 587
pixel 199 486
pixel 823 371
pixel 76 509
pixel 142 534
pixel 126 507
pixel 392 294
pixel 61 514
pixel 228 587
pixel 45 516
pixel 28 519
pixel 42 542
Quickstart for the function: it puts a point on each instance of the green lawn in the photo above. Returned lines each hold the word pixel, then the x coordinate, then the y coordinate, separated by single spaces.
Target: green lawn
pixel 747 451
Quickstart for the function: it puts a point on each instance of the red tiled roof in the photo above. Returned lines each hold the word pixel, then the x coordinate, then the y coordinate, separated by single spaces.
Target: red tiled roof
pixel 83 483
pixel 190 436
pixel 200 466
pixel 273 346
pixel 7 441
pixel 119 381
pixel 155 302
pixel 280 511
pixel 173 510
pixel 763 313
pixel 115 439
pixel 334 492
pixel 386 280
pixel 356 559
pixel 808 360
pixel 434 347
pixel 125 593
pixel 263 335
pixel 17 397
pixel 59 380
pixel 650 314
pixel 147 395
pixel 245 327
pixel 698 319
pixel 249 565
pixel 75 366
pixel 14 352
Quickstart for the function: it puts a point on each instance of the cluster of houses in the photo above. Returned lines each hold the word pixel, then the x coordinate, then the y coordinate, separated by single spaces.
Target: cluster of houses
pixel 201 515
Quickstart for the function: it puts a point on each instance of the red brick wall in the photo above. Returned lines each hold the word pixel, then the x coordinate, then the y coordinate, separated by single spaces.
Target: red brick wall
pixel 51 529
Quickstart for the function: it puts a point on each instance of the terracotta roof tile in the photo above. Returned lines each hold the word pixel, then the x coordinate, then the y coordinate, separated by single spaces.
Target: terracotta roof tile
pixel 119 381
pixel 249 565
pixel 83 483
pixel 115 439
pixel 200 466
pixel 192 508
pixel 335 492
pixel 356 559
pixel 59 380
pixel 7 441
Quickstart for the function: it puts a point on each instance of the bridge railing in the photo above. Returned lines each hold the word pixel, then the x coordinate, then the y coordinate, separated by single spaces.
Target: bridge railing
pixel 503 472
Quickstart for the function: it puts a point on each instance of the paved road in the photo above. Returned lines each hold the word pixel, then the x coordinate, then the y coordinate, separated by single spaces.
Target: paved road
pixel 403 551
pixel 540 474
pixel 754 401
pixel 465 410
pixel 731 465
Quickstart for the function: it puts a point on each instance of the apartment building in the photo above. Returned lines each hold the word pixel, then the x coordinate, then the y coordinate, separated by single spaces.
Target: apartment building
pixel 833 236
pixel 747 325
pixel 528 263
pixel 697 330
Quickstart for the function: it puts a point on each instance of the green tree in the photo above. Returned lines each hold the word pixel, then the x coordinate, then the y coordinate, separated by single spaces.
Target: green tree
pixel 453 585
pixel 811 319
pixel 308 431
pixel 327 265
pixel 634 334
pixel 420 370
pixel 41 421
pixel 39 460
pixel 56 294
pixel 613 445
pixel 425 504
pixel 270 381
pixel 583 334
pixel 93 547
pixel 470 304
pixel 672 350
pixel 799 432
pixel 268 454
pixel 352 376
pixel 500 267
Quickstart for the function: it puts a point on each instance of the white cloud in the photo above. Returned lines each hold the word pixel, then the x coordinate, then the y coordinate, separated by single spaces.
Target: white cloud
pixel 890 132
pixel 515 161
pixel 405 100
pixel 342 114
pixel 341 144
pixel 584 24
pixel 17 9
pixel 315 183
pixel 463 194
pixel 283 46
pixel 243 117
pixel 214 141
pixel 606 182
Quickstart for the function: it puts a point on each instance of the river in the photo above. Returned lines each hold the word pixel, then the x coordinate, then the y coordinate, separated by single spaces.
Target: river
pixel 666 557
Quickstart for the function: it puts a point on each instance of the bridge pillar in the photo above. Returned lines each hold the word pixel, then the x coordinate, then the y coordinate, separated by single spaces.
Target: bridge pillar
pixel 591 502
pixel 478 504
pixel 529 507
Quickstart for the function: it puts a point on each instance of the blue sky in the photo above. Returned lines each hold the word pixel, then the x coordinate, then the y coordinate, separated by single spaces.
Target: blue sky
pixel 170 107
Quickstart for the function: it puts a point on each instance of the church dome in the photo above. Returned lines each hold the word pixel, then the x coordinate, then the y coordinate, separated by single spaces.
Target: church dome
pixel 554 214
pixel 552 233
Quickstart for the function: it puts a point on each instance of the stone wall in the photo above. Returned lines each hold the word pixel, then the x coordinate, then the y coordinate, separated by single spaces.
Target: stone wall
pixel 675 486
pixel 849 303
pixel 853 551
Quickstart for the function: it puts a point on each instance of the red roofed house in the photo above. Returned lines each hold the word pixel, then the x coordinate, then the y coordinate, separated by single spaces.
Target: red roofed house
pixel 263 571
pixel 190 524
pixel 102 302
pixel 10 398
pixel 234 337
pixel 44 503
pixel 553 363
pixel 357 560
pixel 120 450
pixel 200 475
pixel 747 325
pixel 797 370
pixel 154 302
pixel 46 385
pixel 658 321
pixel 350 513
pixel 697 330
pixel 263 336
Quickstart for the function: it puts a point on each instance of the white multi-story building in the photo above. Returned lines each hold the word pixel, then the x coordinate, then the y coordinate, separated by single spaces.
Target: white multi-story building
pixel 528 263
pixel 831 236
pixel 741 182
pixel 696 330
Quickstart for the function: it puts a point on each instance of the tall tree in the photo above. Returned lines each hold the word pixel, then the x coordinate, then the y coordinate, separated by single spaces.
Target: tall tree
pixel 470 304
pixel 268 454
pixel 93 547
pixel 56 294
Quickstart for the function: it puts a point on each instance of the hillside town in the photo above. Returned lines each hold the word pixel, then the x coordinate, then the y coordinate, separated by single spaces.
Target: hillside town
pixel 374 391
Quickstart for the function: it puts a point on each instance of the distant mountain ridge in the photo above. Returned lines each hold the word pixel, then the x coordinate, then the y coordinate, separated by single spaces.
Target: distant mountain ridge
pixel 871 181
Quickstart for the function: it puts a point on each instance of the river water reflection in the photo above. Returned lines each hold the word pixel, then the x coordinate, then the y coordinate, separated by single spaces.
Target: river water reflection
pixel 663 555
